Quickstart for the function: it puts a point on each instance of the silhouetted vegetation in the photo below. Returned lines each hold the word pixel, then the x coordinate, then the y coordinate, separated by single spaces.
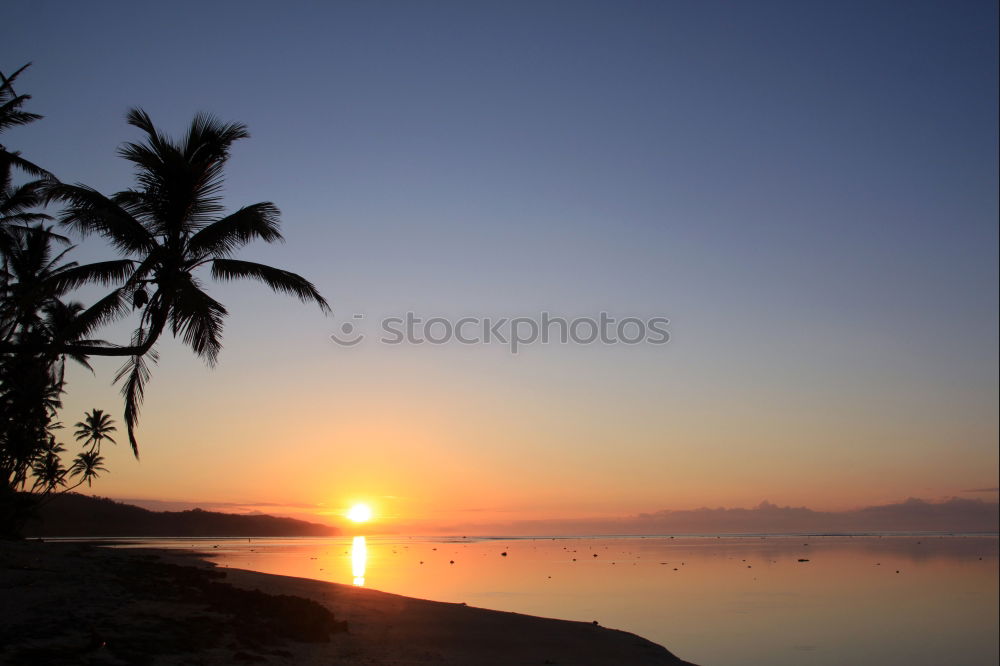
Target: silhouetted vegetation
pixel 72 514
pixel 164 229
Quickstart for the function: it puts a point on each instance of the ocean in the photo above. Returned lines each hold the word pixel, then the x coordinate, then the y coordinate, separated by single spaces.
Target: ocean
pixel 789 600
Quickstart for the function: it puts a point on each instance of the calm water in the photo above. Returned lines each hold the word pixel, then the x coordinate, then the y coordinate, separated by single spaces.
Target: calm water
pixel 736 600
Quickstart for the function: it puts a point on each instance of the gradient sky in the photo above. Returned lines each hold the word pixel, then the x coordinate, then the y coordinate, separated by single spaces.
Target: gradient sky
pixel 808 191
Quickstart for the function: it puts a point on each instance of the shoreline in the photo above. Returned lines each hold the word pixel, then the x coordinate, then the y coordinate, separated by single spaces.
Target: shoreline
pixel 81 603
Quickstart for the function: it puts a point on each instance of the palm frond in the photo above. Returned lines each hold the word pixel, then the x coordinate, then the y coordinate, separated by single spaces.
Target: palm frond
pixel 102 272
pixel 110 308
pixel 198 318
pixel 88 211
pixel 209 139
pixel 12 117
pixel 139 118
pixel 21 198
pixel 222 238
pixel 14 159
pixel 135 372
pixel 88 464
pixel 7 81
pixel 275 278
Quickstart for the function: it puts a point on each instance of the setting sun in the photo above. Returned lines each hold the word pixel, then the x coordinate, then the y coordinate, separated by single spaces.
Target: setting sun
pixel 360 513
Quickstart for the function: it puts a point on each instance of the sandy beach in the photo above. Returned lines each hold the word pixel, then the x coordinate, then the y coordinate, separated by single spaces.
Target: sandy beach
pixel 81 604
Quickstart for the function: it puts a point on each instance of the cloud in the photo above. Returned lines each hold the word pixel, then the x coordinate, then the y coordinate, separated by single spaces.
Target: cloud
pixel 982 490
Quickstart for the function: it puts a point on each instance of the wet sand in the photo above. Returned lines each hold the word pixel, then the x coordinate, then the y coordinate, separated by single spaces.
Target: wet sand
pixel 73 603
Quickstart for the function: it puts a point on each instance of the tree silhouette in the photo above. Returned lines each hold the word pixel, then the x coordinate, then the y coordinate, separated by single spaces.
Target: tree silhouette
pixel 87 465
pixel 170 230
pixel 12 114
pixel 95 428
pixel 48 468
pixel 171 225
pixel 36 324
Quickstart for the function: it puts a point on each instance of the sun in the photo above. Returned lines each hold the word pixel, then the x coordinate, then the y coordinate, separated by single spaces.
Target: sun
pixel 360 513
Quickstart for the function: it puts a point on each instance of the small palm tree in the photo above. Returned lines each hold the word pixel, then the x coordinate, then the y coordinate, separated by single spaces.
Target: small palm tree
pixel 87 465
pixel 95 428
pixel 48 468
pixel 172 225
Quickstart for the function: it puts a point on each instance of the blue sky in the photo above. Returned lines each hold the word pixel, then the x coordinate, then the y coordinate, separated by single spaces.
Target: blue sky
pixel 807 190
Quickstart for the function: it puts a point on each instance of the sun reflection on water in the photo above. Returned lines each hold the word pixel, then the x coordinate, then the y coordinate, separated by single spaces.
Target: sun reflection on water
pixel 359 559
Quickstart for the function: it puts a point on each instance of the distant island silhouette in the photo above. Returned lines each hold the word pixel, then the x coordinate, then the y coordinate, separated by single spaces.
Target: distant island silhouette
pixel 75 515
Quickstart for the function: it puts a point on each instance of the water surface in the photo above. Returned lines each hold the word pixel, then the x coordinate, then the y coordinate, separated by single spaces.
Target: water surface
pixel 793 600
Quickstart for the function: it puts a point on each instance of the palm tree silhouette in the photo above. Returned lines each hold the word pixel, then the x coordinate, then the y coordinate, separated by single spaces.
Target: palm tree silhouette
pixel 12 115
pixel 95 427
pixel 36 279
pixel 37 323
pixel 87 465
pixel 48 468
pixel 17 201
pixel 171 224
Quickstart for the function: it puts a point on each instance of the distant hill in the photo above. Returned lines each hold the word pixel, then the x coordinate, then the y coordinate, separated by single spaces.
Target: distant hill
pixel 82 516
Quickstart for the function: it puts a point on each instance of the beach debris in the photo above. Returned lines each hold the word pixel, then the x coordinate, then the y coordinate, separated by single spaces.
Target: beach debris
pixel 503 554
pixel 802 559
pixel 451 561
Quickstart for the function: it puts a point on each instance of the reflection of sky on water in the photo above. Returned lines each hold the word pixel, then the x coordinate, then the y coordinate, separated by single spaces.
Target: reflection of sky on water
pixel 729 600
